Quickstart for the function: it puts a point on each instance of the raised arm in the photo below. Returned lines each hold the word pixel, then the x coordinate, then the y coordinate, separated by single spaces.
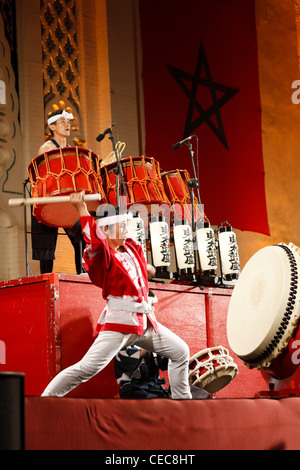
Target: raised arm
pixel 77 199
pixel 96 254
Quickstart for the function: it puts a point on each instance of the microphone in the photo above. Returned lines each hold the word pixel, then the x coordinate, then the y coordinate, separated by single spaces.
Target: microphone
pixel 101 136
pixel 179 144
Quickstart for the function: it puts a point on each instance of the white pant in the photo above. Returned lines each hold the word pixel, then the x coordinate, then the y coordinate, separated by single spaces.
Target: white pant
pixel 108 343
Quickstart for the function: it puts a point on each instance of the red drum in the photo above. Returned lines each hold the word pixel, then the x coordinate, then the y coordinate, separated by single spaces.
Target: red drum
pixel 177 190
pixel 142 181
pixel 264 311
pixel 60 172
pixel 212 369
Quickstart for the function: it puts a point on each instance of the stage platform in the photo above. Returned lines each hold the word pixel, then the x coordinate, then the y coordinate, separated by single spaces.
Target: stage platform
pixel 48 322
pixel 162 424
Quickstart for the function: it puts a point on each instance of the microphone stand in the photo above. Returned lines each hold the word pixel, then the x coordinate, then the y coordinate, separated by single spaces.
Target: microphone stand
pixel 194 170
pixel 192 183
pixel 25 228
pixel 118 171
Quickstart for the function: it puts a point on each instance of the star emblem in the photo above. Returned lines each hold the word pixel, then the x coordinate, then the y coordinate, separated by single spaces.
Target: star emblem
pixel 203 116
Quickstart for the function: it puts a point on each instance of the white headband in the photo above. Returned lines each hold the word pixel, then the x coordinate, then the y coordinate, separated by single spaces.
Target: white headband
pixel 64 114
pixel 114 219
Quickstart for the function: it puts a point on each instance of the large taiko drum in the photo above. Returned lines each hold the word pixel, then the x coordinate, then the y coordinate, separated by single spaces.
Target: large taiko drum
pixel 177 190
pixel 264 311
pixel 142 180
pixel 212 369
pixel 60 172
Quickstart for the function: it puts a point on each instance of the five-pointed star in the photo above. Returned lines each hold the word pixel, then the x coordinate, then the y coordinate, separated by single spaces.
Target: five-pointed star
pixel 182 77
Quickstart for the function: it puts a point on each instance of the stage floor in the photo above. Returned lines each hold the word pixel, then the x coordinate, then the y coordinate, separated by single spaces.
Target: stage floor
pixel 162 424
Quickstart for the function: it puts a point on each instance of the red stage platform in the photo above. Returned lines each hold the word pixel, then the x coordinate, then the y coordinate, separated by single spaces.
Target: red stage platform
pixel 48 323
pixel 162 424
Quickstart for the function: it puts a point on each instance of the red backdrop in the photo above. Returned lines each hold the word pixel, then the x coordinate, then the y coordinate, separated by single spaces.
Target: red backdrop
pixel 200 77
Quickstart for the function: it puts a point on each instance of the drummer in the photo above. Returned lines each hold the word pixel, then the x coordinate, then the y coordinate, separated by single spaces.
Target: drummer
pixel 117 264
pixel 44 237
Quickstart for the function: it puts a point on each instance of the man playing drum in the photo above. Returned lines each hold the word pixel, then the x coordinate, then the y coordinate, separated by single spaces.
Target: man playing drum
pixel 118 266
pixel 44 237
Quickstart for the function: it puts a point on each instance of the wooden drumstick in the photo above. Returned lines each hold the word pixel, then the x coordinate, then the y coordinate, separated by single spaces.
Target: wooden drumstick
pixel 49 200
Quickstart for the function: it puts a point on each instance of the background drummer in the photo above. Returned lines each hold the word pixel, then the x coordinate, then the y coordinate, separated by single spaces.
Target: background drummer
pixel 44 237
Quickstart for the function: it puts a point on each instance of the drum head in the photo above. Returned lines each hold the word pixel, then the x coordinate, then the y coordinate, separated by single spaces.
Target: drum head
pixel 212 369
pixel 264 307
pixel 219 379
pixel 60 215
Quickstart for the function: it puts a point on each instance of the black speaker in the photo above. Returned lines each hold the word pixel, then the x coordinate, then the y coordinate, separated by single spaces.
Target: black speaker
pixel 12 411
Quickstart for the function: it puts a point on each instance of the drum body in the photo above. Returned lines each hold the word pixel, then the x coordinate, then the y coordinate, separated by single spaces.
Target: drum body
pixel 60 172
pixel 264 311
pixel 177 190
pixel 212 369
pixel 142 180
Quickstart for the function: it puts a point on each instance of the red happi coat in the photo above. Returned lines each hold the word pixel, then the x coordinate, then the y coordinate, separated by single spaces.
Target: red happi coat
pixel 108 270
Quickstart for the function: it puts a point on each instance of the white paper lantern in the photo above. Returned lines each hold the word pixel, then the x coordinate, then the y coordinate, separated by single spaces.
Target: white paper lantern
pixel 160 243
pixel 207 248
pixel 136 230
pixel 184 248
pixel 229 252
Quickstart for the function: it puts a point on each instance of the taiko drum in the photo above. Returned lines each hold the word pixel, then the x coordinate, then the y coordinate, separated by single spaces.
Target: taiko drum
pixel 61 172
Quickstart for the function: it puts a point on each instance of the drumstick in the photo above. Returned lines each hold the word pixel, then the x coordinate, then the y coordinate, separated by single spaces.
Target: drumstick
pixel 49 200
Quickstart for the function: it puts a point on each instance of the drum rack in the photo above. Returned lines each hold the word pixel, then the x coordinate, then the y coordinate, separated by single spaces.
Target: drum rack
pixel 275 390
pixel 283 393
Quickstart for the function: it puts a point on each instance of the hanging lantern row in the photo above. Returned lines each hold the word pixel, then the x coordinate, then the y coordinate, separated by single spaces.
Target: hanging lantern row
pixel 206 246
